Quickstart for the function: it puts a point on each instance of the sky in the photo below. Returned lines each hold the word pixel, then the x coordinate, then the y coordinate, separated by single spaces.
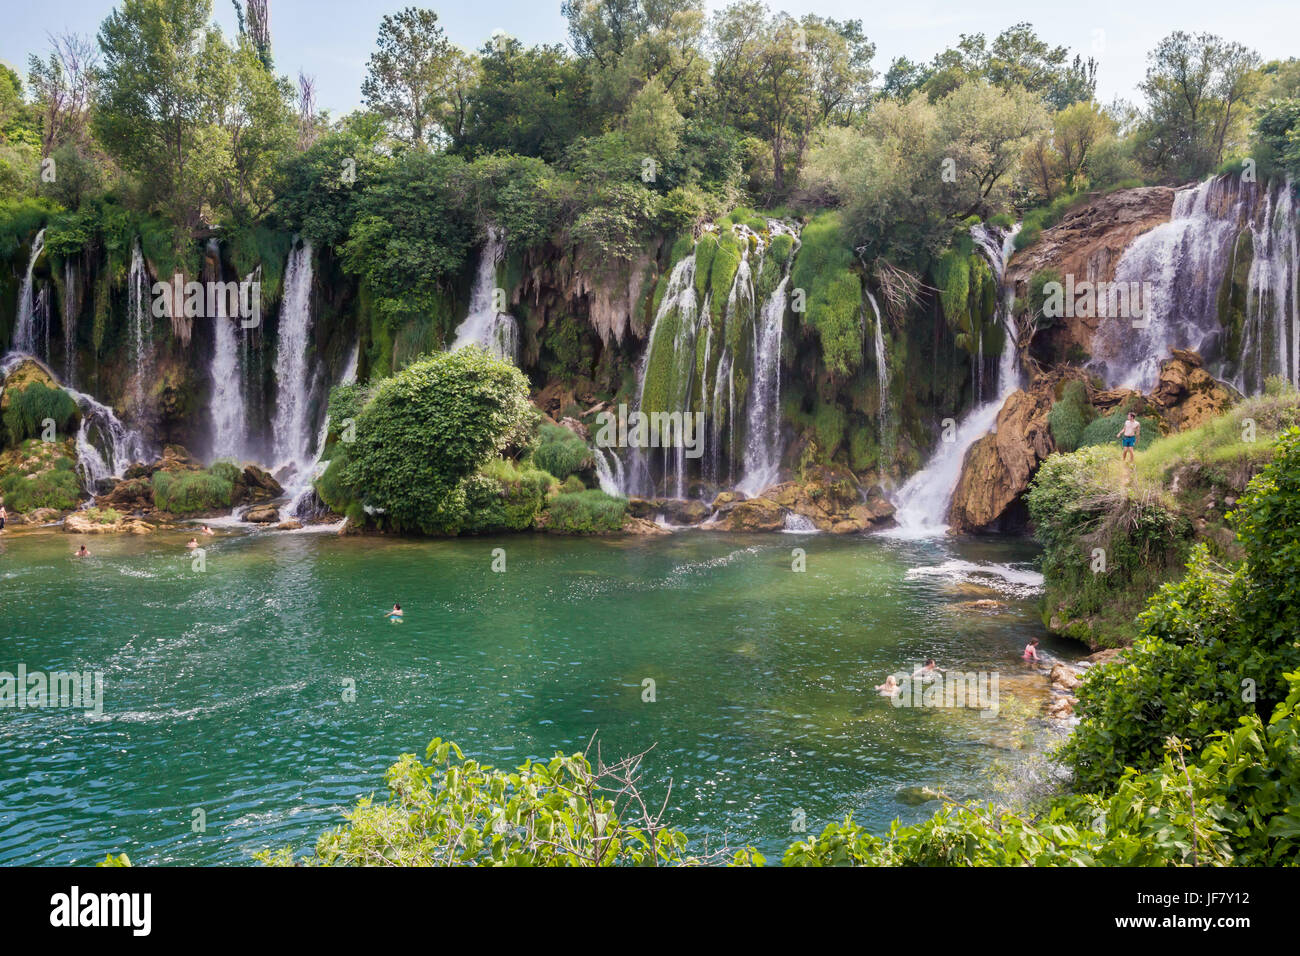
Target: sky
pixel 331 39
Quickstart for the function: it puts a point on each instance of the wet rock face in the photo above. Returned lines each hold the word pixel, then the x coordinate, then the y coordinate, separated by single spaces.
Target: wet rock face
pixel 998 467
pixel 1088 243
pixel 255 484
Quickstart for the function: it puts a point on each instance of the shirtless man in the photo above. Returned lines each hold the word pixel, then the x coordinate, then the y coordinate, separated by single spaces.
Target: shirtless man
pixel 1128 434
pixel 82 553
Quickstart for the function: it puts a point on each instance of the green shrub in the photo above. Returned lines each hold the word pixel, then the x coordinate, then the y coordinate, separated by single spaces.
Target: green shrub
pixel 190 492
pixel 586 512
pixel 1213 647
pixel 427 429
pixel 560 451
pixel 1104 430
pixel 47 479
pixel 30 407
pixel 459 812
pixel 825 270
pixel 1070 416
pixel 572 485
pixel 502 497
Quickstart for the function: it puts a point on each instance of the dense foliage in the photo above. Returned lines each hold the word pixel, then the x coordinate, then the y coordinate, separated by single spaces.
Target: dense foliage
pixel 426 430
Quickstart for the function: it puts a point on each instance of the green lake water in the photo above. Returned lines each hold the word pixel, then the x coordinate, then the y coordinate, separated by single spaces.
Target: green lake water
pixel 224 689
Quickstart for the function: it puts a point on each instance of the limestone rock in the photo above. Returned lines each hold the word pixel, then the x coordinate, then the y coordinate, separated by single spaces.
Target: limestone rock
pixel 128 495
pixel 256 484
pixel 683 510
pixel 80 523
pixel 998 467
pixel 293 524
pixel 1186 394
pixel 635 525
pixel 753 514
pixel 640 508
pixel 42 516
pixel 262 514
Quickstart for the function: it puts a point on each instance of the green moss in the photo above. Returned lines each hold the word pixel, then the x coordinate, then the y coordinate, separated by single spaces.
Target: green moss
pixel 33 406
pixel 585 512
pixel 832 292
pixel 191 492
pixel 705 250
pixel 1069 416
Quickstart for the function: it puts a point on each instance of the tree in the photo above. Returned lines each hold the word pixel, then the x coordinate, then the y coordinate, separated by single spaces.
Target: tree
pixel 412 78
pixel 1076 130
pixel 63 85
pixel 1195 87
pixel 158 58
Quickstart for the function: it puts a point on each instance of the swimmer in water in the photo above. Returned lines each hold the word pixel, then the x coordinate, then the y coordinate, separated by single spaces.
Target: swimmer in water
pixel 207 530
pixel 890 687
pixel 1031 652
pixel 192 543
pixel 395 614
pixel 927 671
pixel 81 552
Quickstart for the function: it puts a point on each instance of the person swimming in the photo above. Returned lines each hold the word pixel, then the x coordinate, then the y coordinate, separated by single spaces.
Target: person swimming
pixel 395 614
pixel 81 552
pixel 207 530
pixel 192 543
pixel 890 687
pixel 1031 651
pixel 927 671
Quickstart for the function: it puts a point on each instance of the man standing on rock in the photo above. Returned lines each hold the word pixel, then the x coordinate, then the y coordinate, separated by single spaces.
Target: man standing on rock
pixel 1128 434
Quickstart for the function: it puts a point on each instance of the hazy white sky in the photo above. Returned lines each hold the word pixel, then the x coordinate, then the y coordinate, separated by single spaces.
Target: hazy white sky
pixel 331 39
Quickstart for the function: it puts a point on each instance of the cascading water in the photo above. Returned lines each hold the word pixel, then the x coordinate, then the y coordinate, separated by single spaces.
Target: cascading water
pixel 763 439
pixel 293 448
pixel 105 446
pixel 678 302
pixel 1187 271
pixel 882 363
pixel 922 503
pixel 25 331
pixel 304 491
pixel 141 322
pixel 485 326
pixel 71 303
pixel 718 362
pixel 226 407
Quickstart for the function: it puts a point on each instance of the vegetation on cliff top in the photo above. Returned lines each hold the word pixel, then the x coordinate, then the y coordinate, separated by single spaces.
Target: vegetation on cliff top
pixel 1112 534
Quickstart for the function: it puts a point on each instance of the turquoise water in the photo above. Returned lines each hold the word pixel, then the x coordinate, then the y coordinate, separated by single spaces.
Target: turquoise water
pixel 224 689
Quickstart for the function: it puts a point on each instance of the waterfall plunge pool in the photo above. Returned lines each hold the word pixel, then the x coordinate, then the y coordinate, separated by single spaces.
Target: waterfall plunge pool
pixel 224 689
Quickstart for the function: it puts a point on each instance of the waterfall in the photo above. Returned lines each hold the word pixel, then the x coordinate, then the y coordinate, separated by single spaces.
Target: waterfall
pixel 882 363
pixel 678 302
pixel 1187 269
pixel 922 503
pixel 71 305
pixel 105 446
pixel 1272 320
pixel 302 491
pixel 610 476
pixel 226 405
pixel 141 322
pixel 763 438
pixel 25 322
pixel 484 326
pixel 291 435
